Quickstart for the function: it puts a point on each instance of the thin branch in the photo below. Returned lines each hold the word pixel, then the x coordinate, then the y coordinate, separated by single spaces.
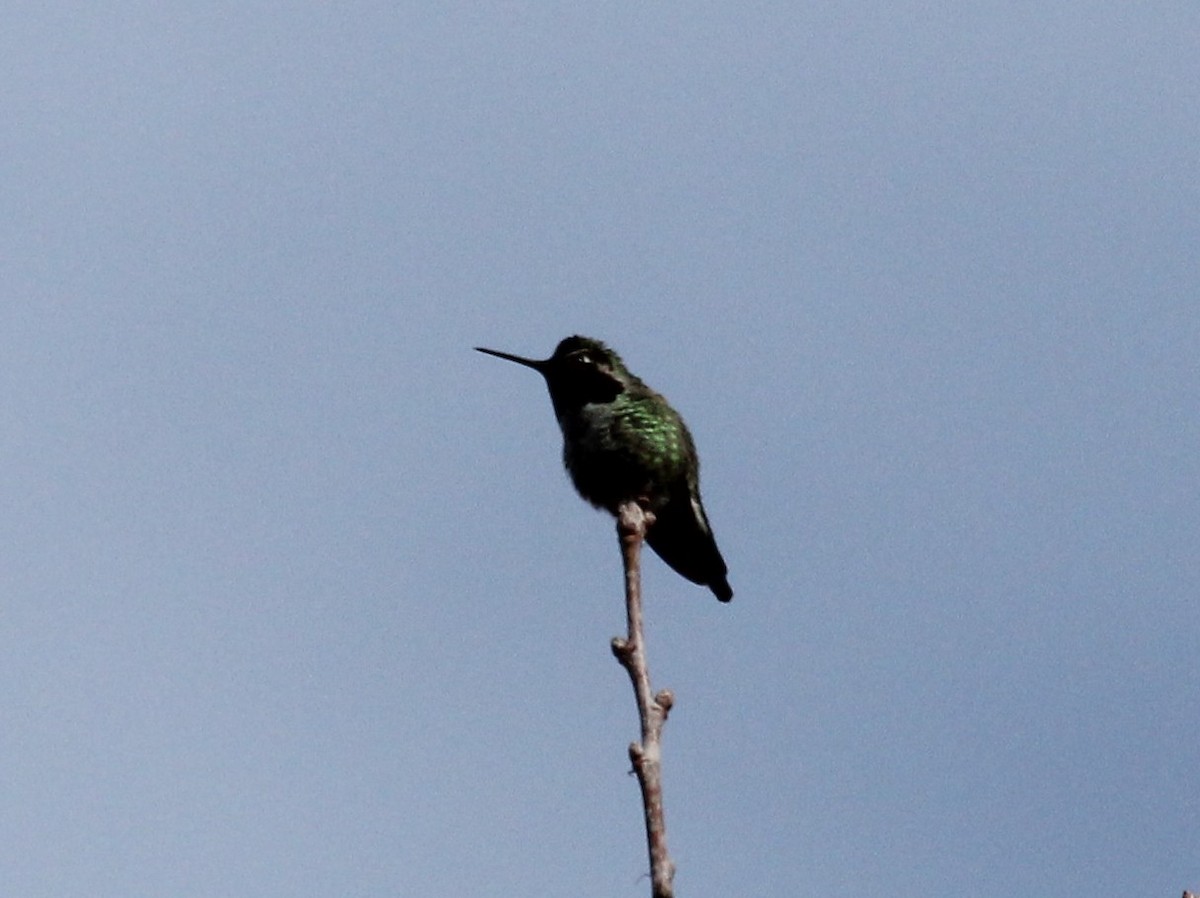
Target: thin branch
pixel 646 755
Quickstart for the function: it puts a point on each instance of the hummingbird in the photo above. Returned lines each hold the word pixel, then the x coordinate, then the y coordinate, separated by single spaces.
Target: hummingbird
pixel 623 442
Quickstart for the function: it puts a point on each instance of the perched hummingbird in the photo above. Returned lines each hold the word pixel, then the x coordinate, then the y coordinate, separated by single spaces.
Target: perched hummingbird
pixel 622 441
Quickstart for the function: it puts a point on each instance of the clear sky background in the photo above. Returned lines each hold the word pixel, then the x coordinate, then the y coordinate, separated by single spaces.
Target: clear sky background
pixel 295 598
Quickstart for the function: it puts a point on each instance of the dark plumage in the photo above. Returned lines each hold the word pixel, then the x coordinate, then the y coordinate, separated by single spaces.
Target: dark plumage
pixel 623 441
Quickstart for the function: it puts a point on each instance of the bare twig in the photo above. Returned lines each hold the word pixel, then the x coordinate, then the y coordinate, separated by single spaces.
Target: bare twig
pixel 646 755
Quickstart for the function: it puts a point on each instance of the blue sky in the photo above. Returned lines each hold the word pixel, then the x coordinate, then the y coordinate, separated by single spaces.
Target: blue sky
pixel 296 599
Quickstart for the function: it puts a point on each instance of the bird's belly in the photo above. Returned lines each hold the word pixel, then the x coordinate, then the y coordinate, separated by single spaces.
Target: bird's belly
pixel 607 475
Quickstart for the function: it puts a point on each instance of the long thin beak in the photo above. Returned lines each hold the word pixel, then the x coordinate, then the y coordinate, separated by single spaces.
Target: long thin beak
pixel 535 364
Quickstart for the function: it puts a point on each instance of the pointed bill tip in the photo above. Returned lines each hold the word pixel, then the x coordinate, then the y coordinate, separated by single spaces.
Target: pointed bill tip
pixel 535 364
